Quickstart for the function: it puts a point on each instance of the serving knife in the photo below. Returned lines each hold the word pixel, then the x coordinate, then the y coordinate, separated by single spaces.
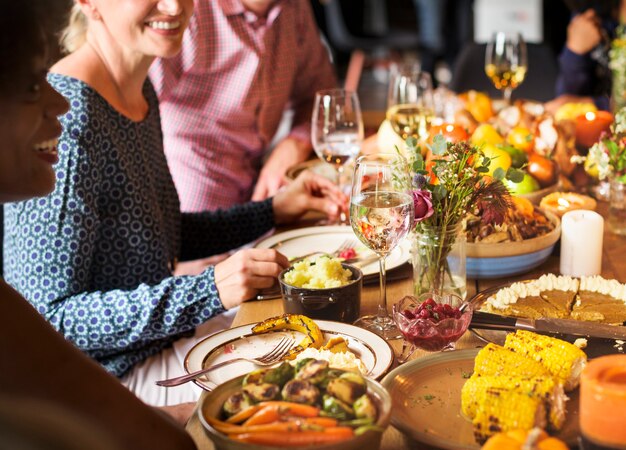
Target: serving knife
pixel 488 321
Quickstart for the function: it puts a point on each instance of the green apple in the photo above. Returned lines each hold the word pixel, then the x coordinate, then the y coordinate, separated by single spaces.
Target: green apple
pixel 526 186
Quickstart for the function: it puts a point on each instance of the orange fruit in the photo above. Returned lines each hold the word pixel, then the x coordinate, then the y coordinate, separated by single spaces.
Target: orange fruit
pixel 522 138
pixel 478 104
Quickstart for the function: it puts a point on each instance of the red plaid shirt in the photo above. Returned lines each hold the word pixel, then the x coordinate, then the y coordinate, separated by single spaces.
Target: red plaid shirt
pixel 223 96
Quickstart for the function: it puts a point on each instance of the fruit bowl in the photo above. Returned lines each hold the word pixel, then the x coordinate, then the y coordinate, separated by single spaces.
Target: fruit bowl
pixel 432 322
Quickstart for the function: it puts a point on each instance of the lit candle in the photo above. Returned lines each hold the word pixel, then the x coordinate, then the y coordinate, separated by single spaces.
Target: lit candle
pixel 581 243
pixel 590 126
pixel 603 401
pixel 561 202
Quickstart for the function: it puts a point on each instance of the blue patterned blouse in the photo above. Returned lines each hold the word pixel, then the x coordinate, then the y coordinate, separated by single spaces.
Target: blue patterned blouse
pixel 93 256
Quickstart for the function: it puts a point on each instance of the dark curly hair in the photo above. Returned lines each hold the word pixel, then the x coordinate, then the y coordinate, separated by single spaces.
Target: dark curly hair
pixel 28 29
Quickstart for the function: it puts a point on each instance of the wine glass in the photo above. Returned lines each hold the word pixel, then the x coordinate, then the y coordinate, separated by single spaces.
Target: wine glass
pixel 506 62
pixel 410 103
pixel 381 214
pixel 337 129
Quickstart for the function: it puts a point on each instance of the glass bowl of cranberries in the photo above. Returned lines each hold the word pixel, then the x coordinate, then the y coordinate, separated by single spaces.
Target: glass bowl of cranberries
pixel 431 322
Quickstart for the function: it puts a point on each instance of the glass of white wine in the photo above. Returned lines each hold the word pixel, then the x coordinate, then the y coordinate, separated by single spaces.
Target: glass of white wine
pixel 337 128
pixel 381 215
pixel 410 103
pixel 506 62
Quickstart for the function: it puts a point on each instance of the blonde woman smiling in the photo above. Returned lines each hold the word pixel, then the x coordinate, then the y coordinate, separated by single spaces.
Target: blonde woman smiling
pixel 96 256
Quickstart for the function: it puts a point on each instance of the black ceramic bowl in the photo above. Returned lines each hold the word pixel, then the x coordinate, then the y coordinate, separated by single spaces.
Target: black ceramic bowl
pixel 342 304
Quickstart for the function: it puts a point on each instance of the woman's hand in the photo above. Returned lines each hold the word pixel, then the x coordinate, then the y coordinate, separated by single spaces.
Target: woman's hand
pixel 308 192
pixel 240 277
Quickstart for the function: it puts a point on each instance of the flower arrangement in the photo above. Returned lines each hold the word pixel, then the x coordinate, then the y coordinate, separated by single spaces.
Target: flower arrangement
pixel 448 183
pixel 607 157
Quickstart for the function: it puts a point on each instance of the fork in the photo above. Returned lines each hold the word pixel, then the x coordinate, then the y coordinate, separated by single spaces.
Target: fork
pixel 270 358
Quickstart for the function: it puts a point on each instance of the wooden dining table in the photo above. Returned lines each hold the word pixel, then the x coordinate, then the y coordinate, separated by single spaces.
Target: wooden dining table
pixel 401 284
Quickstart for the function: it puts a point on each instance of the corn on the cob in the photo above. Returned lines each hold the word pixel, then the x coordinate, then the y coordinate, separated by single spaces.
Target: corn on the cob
pixel 474 393
pixel 496 360
pixel 505 410
pixel 563 360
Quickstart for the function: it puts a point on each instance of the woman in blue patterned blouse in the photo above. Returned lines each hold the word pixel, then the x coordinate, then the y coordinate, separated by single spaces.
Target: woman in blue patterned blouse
pixel 41 373
pixel 95 256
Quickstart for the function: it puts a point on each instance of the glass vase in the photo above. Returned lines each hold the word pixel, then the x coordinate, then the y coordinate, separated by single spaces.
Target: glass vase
pixel 617 207
pixel 439 261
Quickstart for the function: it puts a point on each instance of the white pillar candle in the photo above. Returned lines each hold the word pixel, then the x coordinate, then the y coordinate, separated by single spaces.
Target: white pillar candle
pixel 581 243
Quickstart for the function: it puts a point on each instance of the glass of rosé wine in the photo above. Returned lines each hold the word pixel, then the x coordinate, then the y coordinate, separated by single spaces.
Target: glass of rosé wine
pixel 381 215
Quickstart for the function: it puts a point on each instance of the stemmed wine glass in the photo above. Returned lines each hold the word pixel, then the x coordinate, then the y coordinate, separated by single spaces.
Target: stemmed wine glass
pixel 381 214
pixel 506 62
pixel 337 128
pixel 410 103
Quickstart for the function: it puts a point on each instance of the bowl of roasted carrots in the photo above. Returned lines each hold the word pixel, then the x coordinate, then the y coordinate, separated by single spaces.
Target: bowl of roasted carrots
pixel 302 405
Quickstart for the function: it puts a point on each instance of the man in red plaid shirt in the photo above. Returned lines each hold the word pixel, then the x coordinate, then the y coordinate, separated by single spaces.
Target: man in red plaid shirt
pixel 243 63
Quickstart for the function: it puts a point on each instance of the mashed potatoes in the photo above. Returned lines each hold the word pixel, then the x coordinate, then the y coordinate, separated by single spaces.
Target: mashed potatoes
pixel 341 360
pixel 323 273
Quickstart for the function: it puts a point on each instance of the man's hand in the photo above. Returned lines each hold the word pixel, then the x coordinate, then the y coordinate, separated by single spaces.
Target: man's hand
pixel 308 192
pixel 286 154
pixel 584 32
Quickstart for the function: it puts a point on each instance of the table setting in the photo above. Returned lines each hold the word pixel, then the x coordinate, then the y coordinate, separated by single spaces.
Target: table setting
pixel 437 283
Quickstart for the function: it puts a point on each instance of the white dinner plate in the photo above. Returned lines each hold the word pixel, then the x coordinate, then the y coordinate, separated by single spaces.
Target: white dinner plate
pixel 327 239
pixel 375 353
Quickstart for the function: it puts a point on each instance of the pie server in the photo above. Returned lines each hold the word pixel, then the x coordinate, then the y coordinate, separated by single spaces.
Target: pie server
pixel 489 321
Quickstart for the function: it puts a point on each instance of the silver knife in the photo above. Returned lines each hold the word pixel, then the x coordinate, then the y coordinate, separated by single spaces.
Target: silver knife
pixel 489 321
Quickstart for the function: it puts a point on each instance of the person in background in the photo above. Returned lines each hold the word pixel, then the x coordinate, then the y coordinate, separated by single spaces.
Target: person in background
pixel 584 73
pixel 243 64
pixel 42 372
pixel 96 256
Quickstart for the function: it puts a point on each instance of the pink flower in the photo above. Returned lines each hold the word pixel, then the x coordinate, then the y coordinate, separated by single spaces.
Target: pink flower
pixel 423 204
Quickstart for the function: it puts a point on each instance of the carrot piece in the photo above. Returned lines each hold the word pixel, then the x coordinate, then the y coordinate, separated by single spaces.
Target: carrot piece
pixel 243 415
pixel 267 414
pixel 325 422
pixel 297 439
pixel 228 428
pixel 295 409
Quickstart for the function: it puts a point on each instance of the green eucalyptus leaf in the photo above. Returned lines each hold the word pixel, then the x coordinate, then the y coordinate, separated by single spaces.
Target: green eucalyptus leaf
pixel 439 192
pixel 440 145
pixel 499 173
pixel 514 175
pixel 483 169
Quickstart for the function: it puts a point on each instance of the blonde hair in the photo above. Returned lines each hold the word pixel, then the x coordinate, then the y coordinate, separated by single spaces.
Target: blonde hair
pixel 75 33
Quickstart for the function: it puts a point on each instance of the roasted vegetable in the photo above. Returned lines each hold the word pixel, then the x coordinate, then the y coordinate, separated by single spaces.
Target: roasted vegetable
pixel 505 410
pixel 336 345
pixel 279 375
pixel 354 378
pixel 475 390
pixel 313 371
pixel 496 360
pixel 236 403
pixel 335 408
pixel 301 391
pixel 563 360
pixel 255 377
pixel 313 335
pixel 262 392
pixel 345 390
pixel 301 363
pixel 364 407
pixel 331 374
